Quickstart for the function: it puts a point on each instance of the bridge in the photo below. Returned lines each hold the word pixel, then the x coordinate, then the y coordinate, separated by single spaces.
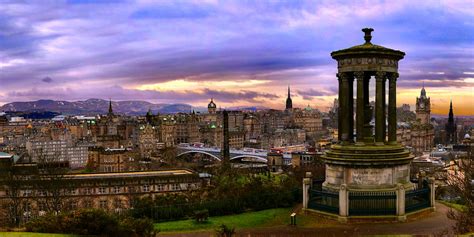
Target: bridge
pixel 243 155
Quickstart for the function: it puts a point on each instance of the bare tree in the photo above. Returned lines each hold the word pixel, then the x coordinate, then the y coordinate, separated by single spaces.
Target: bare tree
pixel 51 184
pixel 461 183
pixel 17 188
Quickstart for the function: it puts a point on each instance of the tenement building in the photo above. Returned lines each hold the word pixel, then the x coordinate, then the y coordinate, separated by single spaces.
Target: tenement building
pixel 368 165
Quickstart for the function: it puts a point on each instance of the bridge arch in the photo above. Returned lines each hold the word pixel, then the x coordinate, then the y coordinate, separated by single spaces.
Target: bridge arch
pixel 258 158
pixel 201 152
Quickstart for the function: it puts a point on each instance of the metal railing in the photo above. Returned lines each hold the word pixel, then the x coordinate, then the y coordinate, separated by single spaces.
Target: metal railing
pixel 417 199
pixel 324 201
pixel 372 203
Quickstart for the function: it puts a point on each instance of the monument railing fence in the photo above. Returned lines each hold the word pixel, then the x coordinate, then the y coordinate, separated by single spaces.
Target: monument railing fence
pixel 368 203
pixel 324 201
pixel 417 199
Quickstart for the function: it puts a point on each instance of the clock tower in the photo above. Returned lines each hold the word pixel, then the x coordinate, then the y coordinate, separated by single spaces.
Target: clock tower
pixel 423 108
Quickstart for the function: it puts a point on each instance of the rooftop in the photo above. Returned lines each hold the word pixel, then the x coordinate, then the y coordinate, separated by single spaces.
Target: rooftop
pixel 177 172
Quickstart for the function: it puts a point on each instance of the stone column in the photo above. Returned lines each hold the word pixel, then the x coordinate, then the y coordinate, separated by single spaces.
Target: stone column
pixel 306 185
pixel 401 202
pixel 343 106
pixel 360 106
pixel 421 177
pixel 392 108
pixel 339 110
pixel 368 133
pixel 431 183
pixel 343 203
pixel 380 108
pixel 350 105
pixel 310 176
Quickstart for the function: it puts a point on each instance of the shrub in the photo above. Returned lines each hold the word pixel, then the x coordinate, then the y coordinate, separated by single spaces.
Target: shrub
pixel 92 222
pixel 201 215
pixel 225 231
pixel 137 227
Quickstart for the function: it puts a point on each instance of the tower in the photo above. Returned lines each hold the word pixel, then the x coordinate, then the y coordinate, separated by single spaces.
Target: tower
pixel 423 108
pixel 289 102
pixel 451 137
pixel 225 144
pixel 211 107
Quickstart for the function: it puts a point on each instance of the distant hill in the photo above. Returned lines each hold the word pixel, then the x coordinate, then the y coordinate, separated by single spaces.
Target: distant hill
pixel 93 107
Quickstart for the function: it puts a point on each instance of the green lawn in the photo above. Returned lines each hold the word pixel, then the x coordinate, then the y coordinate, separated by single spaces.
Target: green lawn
pixel 28 234
pixel 264 218
pixel 455 206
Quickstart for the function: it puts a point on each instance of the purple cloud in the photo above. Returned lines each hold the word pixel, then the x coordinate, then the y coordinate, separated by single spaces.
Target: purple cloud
pixel 47 80
pixel 87 48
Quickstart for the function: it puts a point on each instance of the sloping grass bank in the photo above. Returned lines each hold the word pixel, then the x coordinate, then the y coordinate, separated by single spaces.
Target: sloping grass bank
pixel 244 220
pixel 455 206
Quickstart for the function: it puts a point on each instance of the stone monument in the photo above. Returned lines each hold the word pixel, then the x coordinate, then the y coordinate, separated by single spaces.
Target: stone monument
pixel 368 172
pixel 372 159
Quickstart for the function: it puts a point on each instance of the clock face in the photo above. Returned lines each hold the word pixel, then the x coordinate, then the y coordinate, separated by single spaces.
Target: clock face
pixel 422 105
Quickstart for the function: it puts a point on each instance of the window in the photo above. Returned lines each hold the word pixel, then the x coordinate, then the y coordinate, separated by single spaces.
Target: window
pixel 146 188
pixel 102 190
pixel 175 187
pixel 88 191
pixel 118 203
pixel 87 204
pixel 103 204
pixel 116 189
pixel 27 193
pixel 160 187
pixel 43 193
pixel 41 206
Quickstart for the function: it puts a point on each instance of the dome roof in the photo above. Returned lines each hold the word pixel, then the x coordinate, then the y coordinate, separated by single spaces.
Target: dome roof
pixel 211 104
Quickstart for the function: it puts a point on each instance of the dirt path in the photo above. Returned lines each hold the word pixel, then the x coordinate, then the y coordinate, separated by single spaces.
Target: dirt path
pixel 428 225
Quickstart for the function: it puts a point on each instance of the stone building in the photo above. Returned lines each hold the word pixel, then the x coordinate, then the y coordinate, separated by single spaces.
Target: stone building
pixel 275 162
pixel 109 159
pixel 167 131
pixel 187 128
pixel 112 192
pixel 58 151
pixel 252 129
pixel 310 120
pixel 303 159
pixel 146 139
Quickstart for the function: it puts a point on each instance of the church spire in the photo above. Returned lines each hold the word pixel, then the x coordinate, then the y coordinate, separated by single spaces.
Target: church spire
pixel 289 102
pixel 451 114
pixel 110 107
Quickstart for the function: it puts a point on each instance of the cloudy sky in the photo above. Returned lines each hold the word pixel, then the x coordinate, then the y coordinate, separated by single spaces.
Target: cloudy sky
pixel 237 52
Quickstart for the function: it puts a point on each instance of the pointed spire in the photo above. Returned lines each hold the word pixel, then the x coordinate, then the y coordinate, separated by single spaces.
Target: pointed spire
pixel 289 102
pixel 451 113
pixel 110 106
pixel 423 91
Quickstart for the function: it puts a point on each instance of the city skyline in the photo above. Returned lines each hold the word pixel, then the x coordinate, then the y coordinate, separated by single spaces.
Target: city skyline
pixel 238 54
